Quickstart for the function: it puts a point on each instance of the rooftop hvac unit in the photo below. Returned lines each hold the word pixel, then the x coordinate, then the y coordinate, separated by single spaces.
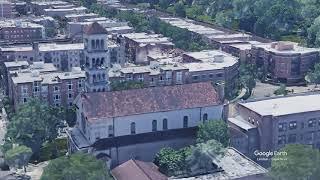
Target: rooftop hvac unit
pixel 35 73
pixel 38 65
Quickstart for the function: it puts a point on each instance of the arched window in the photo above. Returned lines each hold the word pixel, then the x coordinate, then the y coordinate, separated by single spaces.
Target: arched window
pixel 97 62
pixel 93 44
pixel 165 124
pixel 154 125
pixel 94 78
pixel 97 44
pixel 133 128
pixel 185 121
pixel 102 61
pixel 205 117
pixel 98 77
pixel 102 44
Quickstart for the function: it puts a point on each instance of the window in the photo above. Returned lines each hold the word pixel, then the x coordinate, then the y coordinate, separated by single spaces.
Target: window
pixel 133 128
pixel 205 117
pixel 293 125
pixel 195 78
pixel 56 97
pixel 36 87
pixel 70 104
pixel 185 121
pixel 140 77
pixel 24 100
pixel 165 124
pixel 292 138
pixel 312 122
pixel 129 77
pixel 203 76
pixel 56 89
pixel 154 125
pixel 211 76
pixel 179 77
pixel 110 131
pixel 302 125
pixel 24 90
pixel 70 96
pixel 220 75
pixel 282 127
pixel 69 86
pixel 281 139
pixel 80 84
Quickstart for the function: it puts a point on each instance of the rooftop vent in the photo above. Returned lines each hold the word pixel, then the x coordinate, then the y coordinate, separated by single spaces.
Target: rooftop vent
pixel 218 58
pixel 154 64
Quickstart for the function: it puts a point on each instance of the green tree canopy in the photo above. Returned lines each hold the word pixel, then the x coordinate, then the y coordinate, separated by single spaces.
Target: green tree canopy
pixel 203 155
pixel 18 156
pixel 33 124
pixel 296 163
pixel 282 90
pixel 78 166
pixel 170 161
pixel 214 129
pixel 314 76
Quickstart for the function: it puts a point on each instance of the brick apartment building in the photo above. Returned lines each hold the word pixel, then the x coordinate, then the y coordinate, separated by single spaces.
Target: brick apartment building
pixel 204 66
pixel 63 56
pixel 21 31
pixel 42 80
pixel 139 45
pixel 283 120
pixel 37 7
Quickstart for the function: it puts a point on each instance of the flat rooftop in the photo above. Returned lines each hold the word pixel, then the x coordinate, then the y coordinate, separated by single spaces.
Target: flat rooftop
pixel 45 78
pixel 66 9
pixel 285 105
pixel 81 15
pixel 45 47
pixel 144 38
pixel 210 55
pixel 235 165
pixel 19 24
pixel 192 26
pixel 44 3
pixel 296 49
pixel 15 64
pixel 240 122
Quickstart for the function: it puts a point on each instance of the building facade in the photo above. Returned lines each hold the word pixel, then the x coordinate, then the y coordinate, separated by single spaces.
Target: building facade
pixel 43 81
pixel 284 120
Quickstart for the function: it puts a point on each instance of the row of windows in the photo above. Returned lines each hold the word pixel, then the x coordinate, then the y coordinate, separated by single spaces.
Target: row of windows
pixel 154 126
pixel 204 76
pixel 293 138
pixel 293 125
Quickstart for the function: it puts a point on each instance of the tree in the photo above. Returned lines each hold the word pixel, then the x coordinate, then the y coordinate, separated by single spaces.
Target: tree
pixel 18 157
pixel 247 77
pixel 314 76
pixel 282 90
pixel 164 4
pixel 78 166
pixel 170 161
pixel 213 129
pixel 296 162
pixel 179 9
pixel 203 155
pixel 33 124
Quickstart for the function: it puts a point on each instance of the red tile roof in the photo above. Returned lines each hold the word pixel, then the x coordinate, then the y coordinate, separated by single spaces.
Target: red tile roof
pixel 95 28
pixel 137 170
pixel 148 100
